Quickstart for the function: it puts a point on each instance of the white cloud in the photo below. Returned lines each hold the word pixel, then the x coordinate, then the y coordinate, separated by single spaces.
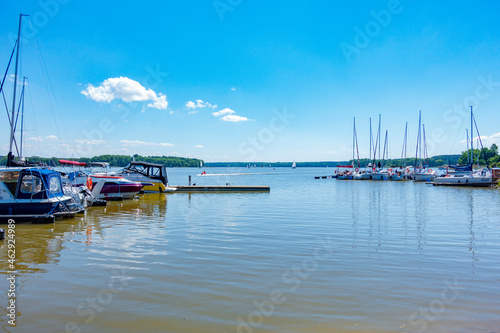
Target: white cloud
pixel 136 143
pixel 51 137
pixel 35 138
pixel 199 146
pixel 223 112
pixel 234 118
pixel 159 103
pixel 233 88
pixel 192 112
pixel 124 89
pixel 199 104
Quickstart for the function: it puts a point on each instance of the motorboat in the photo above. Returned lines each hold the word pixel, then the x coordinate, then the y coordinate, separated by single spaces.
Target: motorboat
pixel 482 178
pixel 110 187
pixel 34 191
pixel 153 176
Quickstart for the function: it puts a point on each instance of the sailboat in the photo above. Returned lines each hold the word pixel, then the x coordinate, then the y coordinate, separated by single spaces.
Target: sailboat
pixel 294 165
pixel 465 175
pixel 402 172
pixel 359 174
pixel 422 172
pixel 28 192
pixel 383 174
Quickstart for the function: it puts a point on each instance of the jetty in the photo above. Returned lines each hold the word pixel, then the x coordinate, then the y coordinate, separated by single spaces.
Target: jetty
pixel 219 188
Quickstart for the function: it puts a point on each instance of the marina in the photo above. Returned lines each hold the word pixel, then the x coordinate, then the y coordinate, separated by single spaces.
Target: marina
pixel 214 167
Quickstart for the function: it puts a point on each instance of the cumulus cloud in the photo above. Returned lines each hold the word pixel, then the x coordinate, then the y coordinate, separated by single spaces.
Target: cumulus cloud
pixel 159 103
pixel 127 90
pixel 199 146
pixel 51 137
pixel 223 112
pixel 137 143
pixel 229 115
pixel 199 104
pixel 234 118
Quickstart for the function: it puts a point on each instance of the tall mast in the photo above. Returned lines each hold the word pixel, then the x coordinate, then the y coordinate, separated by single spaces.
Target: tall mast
pixel 418 138
pixel 467 139
pixel 22 119
pixel 379 121
pixel 371 137
pixel 405 139
pixel 18 43
pixel 385 148
pixel 353 135
pixel 471 138
pixel 356 138
pixel 426 158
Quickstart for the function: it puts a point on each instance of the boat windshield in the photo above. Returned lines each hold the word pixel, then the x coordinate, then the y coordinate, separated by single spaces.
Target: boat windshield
pixel 31 184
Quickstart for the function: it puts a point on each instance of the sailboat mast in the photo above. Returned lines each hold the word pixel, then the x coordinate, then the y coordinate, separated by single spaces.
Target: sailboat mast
pixel 426 158
pixel 379 121
pixel 385 147
pixel 371 137
pixel 405 139
pixel 353 136
pixel 18 42
pixel 467 140
pixel 22 119
pixel 471 138
pixel 356 138
pixel 418 138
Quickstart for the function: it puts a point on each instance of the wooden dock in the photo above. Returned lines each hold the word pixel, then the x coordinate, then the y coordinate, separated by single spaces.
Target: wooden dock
pixel 219 188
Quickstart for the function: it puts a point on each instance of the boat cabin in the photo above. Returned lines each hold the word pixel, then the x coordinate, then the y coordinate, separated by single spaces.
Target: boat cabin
pixel 30 183
pixel 150 170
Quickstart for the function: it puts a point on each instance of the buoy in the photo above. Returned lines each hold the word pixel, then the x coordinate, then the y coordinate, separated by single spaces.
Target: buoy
pixel 2 234
pixel 89 183
pixel 429 171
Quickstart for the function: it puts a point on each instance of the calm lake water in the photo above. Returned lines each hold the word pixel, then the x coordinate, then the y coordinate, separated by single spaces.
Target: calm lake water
pixel 309 256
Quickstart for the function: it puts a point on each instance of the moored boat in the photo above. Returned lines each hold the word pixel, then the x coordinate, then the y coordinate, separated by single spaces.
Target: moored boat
pixel 152 175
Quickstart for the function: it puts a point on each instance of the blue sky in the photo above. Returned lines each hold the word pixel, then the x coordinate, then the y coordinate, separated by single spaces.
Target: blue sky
pixel 283 78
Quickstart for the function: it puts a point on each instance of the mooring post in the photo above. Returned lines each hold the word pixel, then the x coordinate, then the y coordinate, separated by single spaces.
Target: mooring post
pixel 189 180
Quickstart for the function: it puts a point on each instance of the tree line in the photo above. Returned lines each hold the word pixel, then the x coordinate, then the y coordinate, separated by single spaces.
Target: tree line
pixel 119 160
pixel 485 156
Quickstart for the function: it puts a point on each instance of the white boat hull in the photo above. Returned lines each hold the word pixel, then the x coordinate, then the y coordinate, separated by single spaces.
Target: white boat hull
pixel 467 180
pixel 424 177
